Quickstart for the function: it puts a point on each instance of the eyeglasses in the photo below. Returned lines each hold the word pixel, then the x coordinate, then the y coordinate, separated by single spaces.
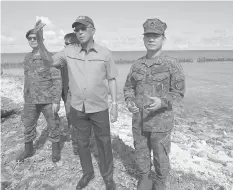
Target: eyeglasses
pixel 67 43
pixel 83 28
pixel 31 38
pixel 151 35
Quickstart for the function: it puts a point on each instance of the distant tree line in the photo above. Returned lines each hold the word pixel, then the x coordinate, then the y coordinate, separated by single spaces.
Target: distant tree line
pixel 206 59
pixel 121 61
pixel 12 65
pixel 184 60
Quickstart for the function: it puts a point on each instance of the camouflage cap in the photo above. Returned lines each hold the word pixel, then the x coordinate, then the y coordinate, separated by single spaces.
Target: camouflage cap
pixel 154 26
pixel 32 31
pixel 85 20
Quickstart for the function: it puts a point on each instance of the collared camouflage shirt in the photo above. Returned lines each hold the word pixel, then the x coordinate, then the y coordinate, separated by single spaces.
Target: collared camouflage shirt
pixel 42 84
pixel 161 77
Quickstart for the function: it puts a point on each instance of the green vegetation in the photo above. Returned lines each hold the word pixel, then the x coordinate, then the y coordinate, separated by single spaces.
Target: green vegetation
pixel 12 65
pixel 121 61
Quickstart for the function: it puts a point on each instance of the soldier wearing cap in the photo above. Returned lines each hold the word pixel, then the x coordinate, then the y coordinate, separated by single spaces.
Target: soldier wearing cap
pixel 155 82
pixel 90 68
pixel 42 93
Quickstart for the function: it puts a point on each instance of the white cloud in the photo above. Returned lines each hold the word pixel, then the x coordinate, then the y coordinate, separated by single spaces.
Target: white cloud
pixel 6 40
pixel 61 32
pixel 125 40
pixel 54 39
pixel 46 21
pixel 131 39
pixel 48 34
pixel 216 39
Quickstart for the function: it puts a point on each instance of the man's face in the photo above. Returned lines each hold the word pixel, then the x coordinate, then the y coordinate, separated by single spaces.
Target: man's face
pixel 153 41
pixel 32 41
pixel 84 33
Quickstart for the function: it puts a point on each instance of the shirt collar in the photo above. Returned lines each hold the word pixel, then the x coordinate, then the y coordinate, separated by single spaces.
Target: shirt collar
pixel 32 54
pixel 153 61
pixel 94 47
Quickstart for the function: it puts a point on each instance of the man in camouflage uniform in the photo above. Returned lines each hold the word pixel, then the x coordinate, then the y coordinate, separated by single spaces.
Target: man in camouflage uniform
pixel 153 84
pixel 42 93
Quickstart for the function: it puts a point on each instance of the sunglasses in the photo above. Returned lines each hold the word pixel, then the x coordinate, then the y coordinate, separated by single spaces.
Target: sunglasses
pixel 31 38
pixel 83 28
pixel 67 43
pixel 153 35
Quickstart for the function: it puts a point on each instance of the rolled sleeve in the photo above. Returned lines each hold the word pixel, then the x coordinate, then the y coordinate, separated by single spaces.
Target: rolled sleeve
pixel 111 67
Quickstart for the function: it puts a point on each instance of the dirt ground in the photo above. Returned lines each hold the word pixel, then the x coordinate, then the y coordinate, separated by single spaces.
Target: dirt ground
pixel 201 154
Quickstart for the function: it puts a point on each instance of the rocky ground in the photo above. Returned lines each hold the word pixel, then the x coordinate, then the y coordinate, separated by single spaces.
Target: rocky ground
pixel 201 153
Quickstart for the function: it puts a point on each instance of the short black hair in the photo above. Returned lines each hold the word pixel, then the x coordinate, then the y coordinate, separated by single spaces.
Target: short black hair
pixel 71 37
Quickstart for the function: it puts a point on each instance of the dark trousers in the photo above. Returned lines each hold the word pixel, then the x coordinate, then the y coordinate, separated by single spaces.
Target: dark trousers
pixel 30 115
pixel 82 121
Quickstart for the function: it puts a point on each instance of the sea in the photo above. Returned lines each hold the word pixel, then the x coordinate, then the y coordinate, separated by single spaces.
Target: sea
pixel 199 68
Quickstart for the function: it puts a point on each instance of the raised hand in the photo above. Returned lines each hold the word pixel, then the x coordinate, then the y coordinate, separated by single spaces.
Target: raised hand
pixel 38 29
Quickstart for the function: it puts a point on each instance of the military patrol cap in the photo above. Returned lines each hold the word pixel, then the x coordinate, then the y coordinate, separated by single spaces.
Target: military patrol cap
pixel 154 26
pixel 85 20
pixel 30 32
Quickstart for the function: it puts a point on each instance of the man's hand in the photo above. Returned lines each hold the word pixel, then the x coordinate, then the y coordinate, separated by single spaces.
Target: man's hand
pixel 132 107
pixel 157 104
pixel 38 29
pixel 55 108
pixel 114 113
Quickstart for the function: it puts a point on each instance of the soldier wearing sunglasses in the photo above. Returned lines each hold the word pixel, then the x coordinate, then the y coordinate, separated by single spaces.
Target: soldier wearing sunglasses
pixel 155 82
pixel 42 93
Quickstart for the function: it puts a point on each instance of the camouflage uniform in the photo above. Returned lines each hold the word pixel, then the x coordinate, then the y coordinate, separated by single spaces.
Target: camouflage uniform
pixel 42 87
pixel 162 77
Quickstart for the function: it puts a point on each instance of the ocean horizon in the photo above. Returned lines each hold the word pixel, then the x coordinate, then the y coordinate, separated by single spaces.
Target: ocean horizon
pixel 134 55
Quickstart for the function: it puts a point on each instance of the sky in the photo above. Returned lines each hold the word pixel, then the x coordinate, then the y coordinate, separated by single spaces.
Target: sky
pixel 191 25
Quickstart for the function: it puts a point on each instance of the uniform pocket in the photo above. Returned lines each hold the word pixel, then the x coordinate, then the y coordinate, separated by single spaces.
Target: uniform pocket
pixel 43 72
pixel 159 77
pixel 138 74
pixel 161 81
